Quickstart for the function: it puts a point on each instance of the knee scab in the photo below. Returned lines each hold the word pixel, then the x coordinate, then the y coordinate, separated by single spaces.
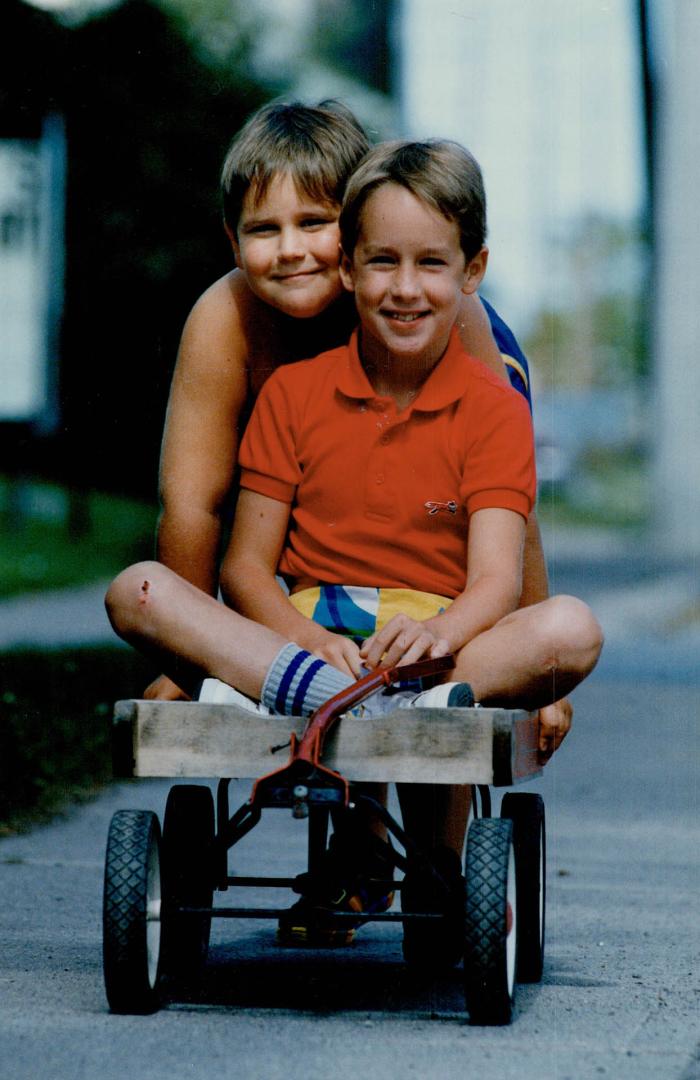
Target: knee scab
pixel 145 589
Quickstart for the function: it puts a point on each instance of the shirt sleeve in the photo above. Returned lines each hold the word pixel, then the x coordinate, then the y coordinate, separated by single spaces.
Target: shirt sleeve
pixel 267 455
pixel 513 356
pixel 500 464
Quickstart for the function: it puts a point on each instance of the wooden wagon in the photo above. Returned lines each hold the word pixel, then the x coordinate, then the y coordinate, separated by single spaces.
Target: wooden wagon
pixel 160 883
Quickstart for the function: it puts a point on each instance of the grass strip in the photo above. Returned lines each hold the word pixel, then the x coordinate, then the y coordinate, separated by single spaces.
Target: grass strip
pixel 53 538
pixel 55 718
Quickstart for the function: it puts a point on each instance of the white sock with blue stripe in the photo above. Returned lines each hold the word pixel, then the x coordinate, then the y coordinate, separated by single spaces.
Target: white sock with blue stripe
pixel 298 683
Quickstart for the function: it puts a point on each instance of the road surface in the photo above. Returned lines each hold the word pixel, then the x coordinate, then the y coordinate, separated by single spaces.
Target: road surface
pixel 621 990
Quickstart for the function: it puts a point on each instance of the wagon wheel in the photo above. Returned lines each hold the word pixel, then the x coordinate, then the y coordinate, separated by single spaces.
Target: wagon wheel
pixel 526 811
pixel 131 913
pixel 490 929
pixel 188 837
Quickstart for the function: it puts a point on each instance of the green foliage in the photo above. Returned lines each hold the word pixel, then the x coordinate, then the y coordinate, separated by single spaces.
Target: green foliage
pixel 51 538
pixel 353 36
pixel 55 713
pixel 599 338
pixel 221 31
pixel 610 489
pixel 149 113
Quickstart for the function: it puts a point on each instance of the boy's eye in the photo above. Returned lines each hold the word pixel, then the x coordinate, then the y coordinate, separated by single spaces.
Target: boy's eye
pixel 316 222
pixel 381 260
pixel 432 260
pixel 261 228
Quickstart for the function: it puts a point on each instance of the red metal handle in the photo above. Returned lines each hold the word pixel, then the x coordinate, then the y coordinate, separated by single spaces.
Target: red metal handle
pixel 310 746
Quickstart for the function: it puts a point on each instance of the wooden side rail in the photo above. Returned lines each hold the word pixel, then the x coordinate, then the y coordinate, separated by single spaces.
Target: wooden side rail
pixel 419 746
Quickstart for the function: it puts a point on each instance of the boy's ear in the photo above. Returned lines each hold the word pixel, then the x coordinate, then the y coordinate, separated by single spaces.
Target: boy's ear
pixel 233 241
pixel 345 270
pixel 474 271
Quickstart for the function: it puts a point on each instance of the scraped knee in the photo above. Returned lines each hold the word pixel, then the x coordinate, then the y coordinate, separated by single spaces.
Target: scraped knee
pixel 129 596
pixel 576 634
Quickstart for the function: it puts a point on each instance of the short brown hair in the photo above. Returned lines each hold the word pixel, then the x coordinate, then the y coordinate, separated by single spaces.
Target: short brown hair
pixel 317 145
pixel 439 172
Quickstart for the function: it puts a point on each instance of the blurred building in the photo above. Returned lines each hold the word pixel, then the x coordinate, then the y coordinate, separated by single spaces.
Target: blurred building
pixel 316 49
pixel 547 97
pixel 677 281
pixel 32 212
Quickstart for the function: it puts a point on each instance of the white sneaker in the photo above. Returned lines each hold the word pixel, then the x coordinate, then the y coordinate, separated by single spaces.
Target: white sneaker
pixel 450 695
pixel 215 692
pixel 381 703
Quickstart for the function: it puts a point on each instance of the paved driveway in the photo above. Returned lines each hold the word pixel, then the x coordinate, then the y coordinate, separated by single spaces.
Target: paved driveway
pixel 619 996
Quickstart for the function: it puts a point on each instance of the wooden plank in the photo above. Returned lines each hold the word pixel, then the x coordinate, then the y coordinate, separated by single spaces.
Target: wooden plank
pixel 420 746
pixel 516 749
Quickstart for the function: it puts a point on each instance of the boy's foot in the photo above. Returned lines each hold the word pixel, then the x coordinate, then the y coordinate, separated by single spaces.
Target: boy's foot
pixel 446 695
pixel 452 695
pixel 338 886
pixel 433 945
pixel 215 692
pixel 311 924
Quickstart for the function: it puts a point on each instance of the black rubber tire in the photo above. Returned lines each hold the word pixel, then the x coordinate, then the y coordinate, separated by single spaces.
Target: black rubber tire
pixel 131 913
pixel 490 925
pixel 526 811
pixel 188 880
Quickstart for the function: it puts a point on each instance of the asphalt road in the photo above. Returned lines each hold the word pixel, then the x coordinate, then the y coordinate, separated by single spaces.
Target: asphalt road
pixel 621 990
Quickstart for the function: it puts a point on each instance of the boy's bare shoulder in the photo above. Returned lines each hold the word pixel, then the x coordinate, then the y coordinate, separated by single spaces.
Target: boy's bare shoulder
pixel 227 326
pixel 221 308
pixel 212 357
pixel 488 393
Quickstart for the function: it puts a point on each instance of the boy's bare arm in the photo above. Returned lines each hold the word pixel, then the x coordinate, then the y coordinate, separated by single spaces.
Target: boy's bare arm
pixel 555 719
pixel 494 559
pixel 249 585
pixel 200 441
pixel 475 334
pixel 478 340
pixel 535 578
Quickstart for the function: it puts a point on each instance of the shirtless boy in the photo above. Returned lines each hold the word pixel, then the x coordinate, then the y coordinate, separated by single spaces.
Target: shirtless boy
pixel 395 464
pixel 283 181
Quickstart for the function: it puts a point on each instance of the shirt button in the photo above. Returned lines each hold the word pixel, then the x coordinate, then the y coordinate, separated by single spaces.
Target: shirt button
pixel 385 440
pixel 379 478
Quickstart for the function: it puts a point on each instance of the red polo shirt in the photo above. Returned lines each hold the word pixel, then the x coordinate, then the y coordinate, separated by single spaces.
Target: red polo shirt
pixel 381 497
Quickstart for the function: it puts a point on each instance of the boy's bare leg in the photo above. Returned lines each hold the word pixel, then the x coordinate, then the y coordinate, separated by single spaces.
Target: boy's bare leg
pixel 435 815
pixel 532 657
pixel 529 659
pixel 188 633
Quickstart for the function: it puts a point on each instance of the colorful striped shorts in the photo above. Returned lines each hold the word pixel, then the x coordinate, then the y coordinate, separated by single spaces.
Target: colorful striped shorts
pixel 358 611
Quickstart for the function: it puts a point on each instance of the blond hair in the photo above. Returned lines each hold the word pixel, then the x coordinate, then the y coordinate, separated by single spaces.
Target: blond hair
pixel 441 173
pixel 317 145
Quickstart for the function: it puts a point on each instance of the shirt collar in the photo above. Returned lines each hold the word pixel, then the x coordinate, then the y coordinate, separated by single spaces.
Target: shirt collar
pixel 446 383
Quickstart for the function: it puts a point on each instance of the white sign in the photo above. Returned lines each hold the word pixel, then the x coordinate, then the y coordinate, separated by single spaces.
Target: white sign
pixel 31 275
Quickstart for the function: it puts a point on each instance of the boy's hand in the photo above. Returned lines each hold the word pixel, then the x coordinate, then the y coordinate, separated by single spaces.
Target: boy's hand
pixel 164 689
pixel 338 651
pixel 402 641
pixel 555 722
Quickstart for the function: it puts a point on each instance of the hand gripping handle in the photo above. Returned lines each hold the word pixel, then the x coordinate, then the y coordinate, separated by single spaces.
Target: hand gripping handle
pixel 310 746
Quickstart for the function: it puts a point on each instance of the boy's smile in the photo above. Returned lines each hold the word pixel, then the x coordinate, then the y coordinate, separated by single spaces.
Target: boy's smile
pixel 408 273
pixel 287 247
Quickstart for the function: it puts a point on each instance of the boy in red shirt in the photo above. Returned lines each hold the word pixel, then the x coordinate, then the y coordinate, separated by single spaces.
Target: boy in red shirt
pixel 389 481
pixel 408 473
pixel 283 181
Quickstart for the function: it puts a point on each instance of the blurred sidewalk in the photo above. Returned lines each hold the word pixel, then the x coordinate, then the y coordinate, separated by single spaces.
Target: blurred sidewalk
pixel 54 619
pixel 649 608
pixel 634 591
